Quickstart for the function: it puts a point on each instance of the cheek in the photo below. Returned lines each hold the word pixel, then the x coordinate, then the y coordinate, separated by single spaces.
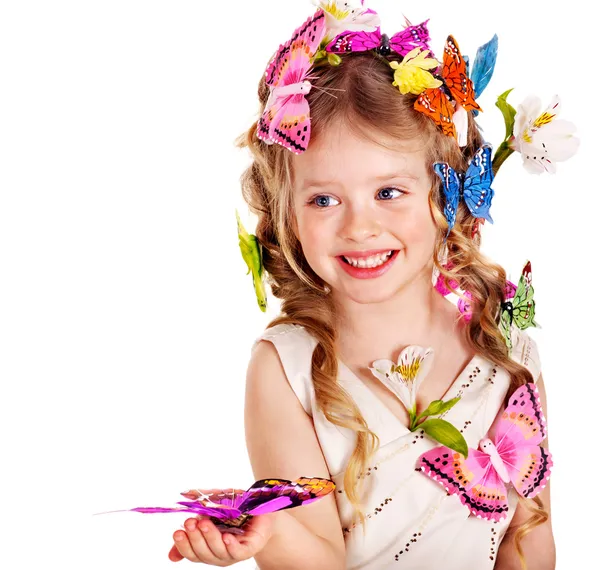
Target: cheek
pixel 418 227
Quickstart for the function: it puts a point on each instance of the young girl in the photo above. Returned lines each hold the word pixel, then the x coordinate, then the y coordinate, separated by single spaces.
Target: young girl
pixel 353 223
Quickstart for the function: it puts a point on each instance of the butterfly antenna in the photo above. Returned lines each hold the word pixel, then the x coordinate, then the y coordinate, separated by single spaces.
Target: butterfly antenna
pixel 327 90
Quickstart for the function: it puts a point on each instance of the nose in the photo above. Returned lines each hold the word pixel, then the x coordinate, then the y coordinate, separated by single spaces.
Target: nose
pixel 360 224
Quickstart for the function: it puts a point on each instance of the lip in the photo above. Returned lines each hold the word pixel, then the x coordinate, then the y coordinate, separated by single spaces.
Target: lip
pixel 368 272
pixel 367 253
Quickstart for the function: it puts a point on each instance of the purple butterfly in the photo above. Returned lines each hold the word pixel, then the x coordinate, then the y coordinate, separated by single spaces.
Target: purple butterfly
pixel 401 43
pixel 230 509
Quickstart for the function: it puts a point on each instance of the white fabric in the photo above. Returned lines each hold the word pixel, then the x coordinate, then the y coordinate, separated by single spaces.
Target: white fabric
pixel 411 522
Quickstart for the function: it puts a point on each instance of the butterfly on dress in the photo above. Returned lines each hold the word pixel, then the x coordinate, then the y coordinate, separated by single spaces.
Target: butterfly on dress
pixel 401 43
pixel 518 307
pixel 456 94
pixel 286 117
pixel 514 456
pixel 474 186
pixel 230 509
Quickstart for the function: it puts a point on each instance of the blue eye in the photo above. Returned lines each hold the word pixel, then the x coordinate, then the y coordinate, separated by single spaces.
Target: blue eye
pixel 322 201
pixel 388 191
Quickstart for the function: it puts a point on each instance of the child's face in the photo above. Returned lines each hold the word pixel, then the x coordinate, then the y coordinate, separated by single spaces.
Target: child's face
pixel 352 196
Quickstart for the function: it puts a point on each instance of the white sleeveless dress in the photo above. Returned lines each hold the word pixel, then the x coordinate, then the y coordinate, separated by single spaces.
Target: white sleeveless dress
pixel 411 522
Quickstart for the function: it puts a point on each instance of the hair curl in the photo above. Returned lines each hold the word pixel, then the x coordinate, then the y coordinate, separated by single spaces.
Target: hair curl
pixel 368 103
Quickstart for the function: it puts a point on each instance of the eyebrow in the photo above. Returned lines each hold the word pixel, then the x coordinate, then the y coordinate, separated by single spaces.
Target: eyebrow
pixel 321 183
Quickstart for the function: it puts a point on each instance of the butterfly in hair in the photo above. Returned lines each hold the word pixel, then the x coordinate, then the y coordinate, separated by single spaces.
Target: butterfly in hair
pixel 474 186
pixel 286 117
pixel 401 43
pixel 514 456
pixel 518 308
pixel 231 509
pixel 438 103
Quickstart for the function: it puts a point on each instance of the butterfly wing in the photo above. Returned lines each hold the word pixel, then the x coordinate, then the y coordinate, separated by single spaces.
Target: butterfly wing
pixel 478 192
pixel 520 430
pixel 269 495
pixel 473 480
pixel 454 72
pixel 250 248
pixel 451 185
pixel 288 64
pixel 437 106
pixel 523 303
pixel 290 126
pixel 347 42
pixel 410 38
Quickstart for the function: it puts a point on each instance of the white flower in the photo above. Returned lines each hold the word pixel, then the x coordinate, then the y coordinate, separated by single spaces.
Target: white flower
pixel 404 379
pixel 542 139
pixel 341 17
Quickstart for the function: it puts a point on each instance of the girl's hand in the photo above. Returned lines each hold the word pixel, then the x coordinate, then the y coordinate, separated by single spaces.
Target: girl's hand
pixel 203 542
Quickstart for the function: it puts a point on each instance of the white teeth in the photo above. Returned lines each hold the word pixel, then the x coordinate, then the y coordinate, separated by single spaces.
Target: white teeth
pixel 373 261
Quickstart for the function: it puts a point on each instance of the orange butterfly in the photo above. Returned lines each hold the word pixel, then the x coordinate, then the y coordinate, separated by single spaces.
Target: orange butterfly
pixel 437 103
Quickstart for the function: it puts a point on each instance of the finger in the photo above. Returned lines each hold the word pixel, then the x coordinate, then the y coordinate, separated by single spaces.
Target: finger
pixel 183 547
pixel 198 544
pixel 174 554
pixel 236 549
pixel 214 540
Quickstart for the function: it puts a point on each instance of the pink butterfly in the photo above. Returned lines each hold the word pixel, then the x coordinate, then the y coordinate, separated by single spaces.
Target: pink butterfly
pixel 515 456
pixel 286 118
pixel 401 43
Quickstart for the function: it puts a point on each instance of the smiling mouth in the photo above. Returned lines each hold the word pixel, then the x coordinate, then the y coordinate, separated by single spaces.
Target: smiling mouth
pixel 371 262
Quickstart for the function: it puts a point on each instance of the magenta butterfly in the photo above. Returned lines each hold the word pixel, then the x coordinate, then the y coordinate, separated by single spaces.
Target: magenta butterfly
pixel 401 43
pixel 515 456
pixel 286 118
pixel 230 509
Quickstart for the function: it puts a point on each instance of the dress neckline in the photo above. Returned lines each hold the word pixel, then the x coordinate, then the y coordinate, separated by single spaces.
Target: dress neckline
pixel 377 407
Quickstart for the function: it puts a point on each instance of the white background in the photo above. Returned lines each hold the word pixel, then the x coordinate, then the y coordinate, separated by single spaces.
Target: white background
pixel 126 316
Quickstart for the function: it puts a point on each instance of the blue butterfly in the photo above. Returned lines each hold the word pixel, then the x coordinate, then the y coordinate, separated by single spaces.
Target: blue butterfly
pixel 474 187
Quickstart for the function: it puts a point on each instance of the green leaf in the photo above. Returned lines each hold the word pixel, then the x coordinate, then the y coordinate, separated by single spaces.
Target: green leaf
pixel 508 111
pixel 436 408
pixel 252 254
pixel 446 434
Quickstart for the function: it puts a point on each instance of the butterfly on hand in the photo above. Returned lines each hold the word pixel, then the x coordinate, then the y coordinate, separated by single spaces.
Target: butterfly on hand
pixel 286 117
pixel 474 186
pixel 230 509
pixel 440 103
pixel 401 43
pixel 518 307
pixel 515 456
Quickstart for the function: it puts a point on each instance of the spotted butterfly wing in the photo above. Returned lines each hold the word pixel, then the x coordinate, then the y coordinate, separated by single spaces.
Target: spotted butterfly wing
pixel 437 106
pixel 409 38
pixel 456 77
pixel 286 117
pixel 474 480
pixel 451 187
pixel 519 309
pixel 520 431
pixel 477 185
pixel 347 42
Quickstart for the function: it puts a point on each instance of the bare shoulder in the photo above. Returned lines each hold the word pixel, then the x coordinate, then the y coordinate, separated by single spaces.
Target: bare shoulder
pixel 281 439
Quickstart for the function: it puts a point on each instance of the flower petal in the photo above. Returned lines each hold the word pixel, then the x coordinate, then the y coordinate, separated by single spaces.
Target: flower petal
pixel 382 370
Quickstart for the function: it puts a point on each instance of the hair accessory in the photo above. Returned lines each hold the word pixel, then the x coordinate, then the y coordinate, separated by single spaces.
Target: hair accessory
pixel 515 456
pixel 410 75
pixel 447 104
pixel 252 255
pixel 401 43
pixel 286 118
pixel 518 307
pixel 474 187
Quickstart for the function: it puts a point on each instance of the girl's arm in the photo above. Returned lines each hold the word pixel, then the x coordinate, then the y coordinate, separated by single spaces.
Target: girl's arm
pixel 538 545
pixel 281 442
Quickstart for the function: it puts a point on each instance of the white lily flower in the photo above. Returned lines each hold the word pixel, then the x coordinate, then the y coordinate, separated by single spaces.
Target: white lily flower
pixel 542 139
pixel 346 17
pixel 404 379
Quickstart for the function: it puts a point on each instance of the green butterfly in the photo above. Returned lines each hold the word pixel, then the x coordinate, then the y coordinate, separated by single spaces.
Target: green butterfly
pixel 252 254
pixel 519 306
